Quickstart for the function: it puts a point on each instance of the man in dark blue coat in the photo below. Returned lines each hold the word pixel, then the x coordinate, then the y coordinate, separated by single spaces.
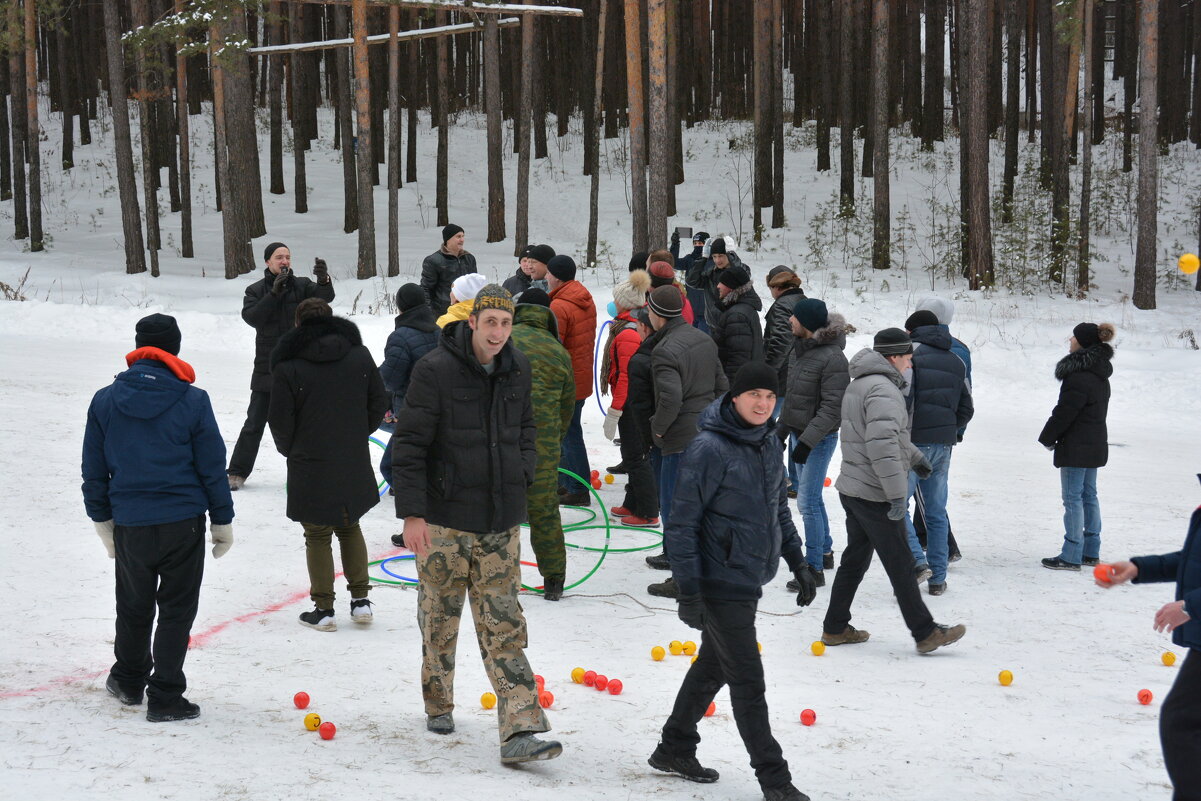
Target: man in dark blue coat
pixel 153 465
pixel 1180 718
pixel 730 526
pixel 696 295
pixel 415 335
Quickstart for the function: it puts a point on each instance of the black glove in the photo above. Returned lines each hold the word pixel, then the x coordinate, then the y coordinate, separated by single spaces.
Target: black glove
pixel 282 282
pixel 321 272
pixel 923 468
pixel 801 452
pixel 692 611
pixel 808 586
pixel 898 508
pixel 675 239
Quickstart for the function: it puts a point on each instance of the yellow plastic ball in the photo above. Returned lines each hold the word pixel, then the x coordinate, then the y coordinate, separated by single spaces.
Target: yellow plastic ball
pixel 1188 263
pixel 1168 658
pixel 657 653
pixel 694 656
pixel 312 721
pixel 689 648
pixel 1005 677
pixel 818 647
pixel 487 700
pixel 760 646
pixel 577 675
pixel 676 647
pixel 608 478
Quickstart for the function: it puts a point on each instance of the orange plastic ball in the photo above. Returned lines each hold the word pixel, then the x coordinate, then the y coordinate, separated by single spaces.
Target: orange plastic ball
pixel 1168 658
pixel 541 682
pixel 657 653
pixel 589 678
pixel 545 699
pixel 596 483
pixel 689 648
pixel 711 710
pixel 1188 263
pixel 608 478
pixel 1144 697
pixel 487 700
pixel 1103 572
pixel 595 474
pixel 827 482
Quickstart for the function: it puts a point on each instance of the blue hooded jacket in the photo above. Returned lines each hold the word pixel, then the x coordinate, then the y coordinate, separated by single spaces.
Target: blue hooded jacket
pixel 730 517
pixel 152 452
pixel 1183 567
pixel 940 397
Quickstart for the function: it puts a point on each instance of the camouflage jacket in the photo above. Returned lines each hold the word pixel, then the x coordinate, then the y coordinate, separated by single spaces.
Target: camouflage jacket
pixel 553 395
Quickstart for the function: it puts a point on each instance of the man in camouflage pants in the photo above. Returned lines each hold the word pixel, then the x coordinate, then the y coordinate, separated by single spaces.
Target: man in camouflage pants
pixel 463 457
pixel 535 333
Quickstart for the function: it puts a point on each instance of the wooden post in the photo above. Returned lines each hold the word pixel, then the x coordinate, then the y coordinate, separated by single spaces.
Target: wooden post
pixel 365 159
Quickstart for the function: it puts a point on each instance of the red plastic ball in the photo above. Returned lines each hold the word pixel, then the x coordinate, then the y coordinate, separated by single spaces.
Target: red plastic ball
pixel 808 716
pixel 595 474
pixel 541 682
pixel 827 482
pixel 589 678
pixel 711 710
pixel 596 483
pixel 1144 697
pixel 545 699
pixel 327 730
pixel 1103 573
pixel 601 682
pixel 615 687
pixel 301 700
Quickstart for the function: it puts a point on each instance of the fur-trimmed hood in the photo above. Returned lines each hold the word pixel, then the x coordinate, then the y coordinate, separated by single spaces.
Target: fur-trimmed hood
pixel 834 332
pixel 318 339
pixel 1094 358
pixel 743 294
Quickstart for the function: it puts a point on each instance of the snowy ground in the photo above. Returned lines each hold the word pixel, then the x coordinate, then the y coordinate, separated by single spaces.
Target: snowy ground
pixel 890 723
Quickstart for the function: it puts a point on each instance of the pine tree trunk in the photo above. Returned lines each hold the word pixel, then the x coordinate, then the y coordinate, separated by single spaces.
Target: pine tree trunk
pixel 1058 107
pixel 1013 52
pixel 934 84
pixel 846 108
pixel 393 142
pixel 66 95
pixel 365 158
pixel 881 213
pixel 296 89
pixel 1129 17
pixel 975 26
pixel 496 176
pixel 594 172
pixel 16 93
pixel 660 150
pixel 822 100
pixel 33 148
pixel 6 157
pixel 414 51
pixel 275 86
pixel 637 117
pixel 777 69
pixel 231 235
pixel 521 129
pixel 345 100
pixel 1148 155
pixel 131 215
pixel 242 140
pixel 1086 162
pixel 186 248
pixel 762 88
pixel 141 17
pixel 443 78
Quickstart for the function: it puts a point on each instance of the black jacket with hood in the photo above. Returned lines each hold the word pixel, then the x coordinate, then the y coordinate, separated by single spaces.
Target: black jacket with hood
pixel 1077 428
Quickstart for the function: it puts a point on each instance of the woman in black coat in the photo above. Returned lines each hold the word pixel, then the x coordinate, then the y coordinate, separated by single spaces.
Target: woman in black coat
pixel 1077 434
pixel 326 400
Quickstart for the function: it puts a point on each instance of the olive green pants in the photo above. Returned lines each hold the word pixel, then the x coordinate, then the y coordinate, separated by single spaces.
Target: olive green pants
pixel 320 556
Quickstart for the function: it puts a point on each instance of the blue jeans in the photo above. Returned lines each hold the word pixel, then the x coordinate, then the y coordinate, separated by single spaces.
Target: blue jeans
pixel 1081 514
pixel 794 471
pixel 934 509
pixel 574 456
pixel 809 501
pixel 669 466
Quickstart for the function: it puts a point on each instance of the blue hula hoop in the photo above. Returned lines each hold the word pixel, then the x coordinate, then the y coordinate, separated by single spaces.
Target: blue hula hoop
pixel 384 567
pixel 596 366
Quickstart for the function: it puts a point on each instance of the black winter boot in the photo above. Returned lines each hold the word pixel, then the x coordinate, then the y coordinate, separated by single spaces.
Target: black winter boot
pixel 552 588
pixel 685 767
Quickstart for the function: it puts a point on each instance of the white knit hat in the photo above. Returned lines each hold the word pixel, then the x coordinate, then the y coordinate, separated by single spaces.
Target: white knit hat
pixel 466 287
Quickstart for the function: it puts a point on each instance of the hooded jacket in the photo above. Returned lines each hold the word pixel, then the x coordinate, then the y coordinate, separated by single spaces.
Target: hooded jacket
pixel 414 336
pixel 1183 567
pixel 876 452
pixel 688 376
pixel 730 517
pixel 552 382
pixel 464 450
pixel 739 331
pixel 273 315
pixel 941 397
pixel 640 399
pixel 326 400
pixel 623 347
pixel 777 333
pixel 817 378
pixel 457 311
pixel 703 274
pixel 152 452
pixel 438 271
pixel 576 314
pixel 1077 428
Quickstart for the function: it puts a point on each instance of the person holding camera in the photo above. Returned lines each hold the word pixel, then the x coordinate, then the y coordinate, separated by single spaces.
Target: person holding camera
pixel 269 307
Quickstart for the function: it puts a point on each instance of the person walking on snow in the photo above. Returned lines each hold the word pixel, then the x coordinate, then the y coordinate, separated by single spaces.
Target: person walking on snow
pixel 326 400
pixel 576 315
pixel 153 465
pixel 269 307
pixel 440 269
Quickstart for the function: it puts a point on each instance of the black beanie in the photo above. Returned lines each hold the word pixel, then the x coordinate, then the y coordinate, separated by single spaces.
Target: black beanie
pixel 700 236
pixel 562 267
pixel 535 296
pixel 409 296
pixel 733 278
pixel 638 260
pixel 755 375
pixel 666 301
pixel 1087 334
pixel 920 318
pixel 542 253
pixel 450 231
pixel 717 246
pixel 158 331
pixel 892 342
pixel 270 249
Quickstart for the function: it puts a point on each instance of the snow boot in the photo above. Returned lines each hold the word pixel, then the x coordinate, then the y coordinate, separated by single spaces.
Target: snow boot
pixel 236 482
pixel 659 561
pixel 178 709
pixel 922 572
pixel 552 588
pixel 785 793
pixel 122 694
pixel 1055 563
pixel 684 767
pixel 440 724
pixel 665 589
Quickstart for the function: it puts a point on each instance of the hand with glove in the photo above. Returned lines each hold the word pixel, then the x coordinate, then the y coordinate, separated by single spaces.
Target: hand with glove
pixel 222 537
pixel 282 282
pixel 675 239
pixel 611 418
pixel 898 508
pixel 321 272
pixel 801 452
pixel 808 585
pixel 105 532
pixel 692 611
pixel 923 468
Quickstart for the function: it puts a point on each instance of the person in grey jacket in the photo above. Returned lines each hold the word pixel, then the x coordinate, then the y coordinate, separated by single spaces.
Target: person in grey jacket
pixel 876 459
pixel 442 267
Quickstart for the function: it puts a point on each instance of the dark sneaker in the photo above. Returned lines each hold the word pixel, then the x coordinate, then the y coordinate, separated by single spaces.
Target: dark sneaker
pixel 665 589
pixel 659 561
pixel 552 588
pixel 398 540
pixel 792 494
pixel 922 572
pixel 785 793
pixel 942 635
pixel 849 636
pixel 1055 563
pixel 122 694
pixel 525 747
pixel 1091 560
pixel 179 709
pixel 440 724
pixel 828 561
pixel 575 499
pixel 684 767
pixel 937 589
pixel 360 611
pixel 320 619
pixel 618 469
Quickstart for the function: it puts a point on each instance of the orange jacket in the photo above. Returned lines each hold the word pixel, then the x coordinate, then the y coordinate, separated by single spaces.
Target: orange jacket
pixel 576 315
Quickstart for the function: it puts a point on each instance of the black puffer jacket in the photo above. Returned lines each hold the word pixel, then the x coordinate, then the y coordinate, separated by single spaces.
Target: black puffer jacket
pixel 438 271
pixel 818 375
pixel 272 316
pixel 730 517
pixel 464 449
pixel 777 333
pixel 703 274
pixel 739 331
pixel 415 335
pixel 326 399
pixel 640 395
pixel 688 376
pixel 1077 428
pixel 940 396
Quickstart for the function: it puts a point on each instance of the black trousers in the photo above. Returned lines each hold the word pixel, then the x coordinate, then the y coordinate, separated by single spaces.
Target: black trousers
pixel 869 530
pixel 919 524
pixel 157 567
pixel 642 491
pixel 246 450
pixel 1180 730
pixel 729 654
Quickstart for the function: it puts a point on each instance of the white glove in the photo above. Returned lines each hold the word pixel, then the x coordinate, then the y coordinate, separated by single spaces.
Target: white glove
pixel 222 537
pixel 105 532
pixel 611 418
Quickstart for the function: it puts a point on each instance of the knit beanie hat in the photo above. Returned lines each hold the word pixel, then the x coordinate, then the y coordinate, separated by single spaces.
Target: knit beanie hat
pixel 662 274
pixel 542 253
pixel 562 267
pixel 631 294
pixel 717 246
pixel 733 278
pixel 638 261
pixel 811 313
pixel 409 296
pixel 494 296
pixel 450 231
pixel 158 331
pixel 666 301
pixel 533 295
pixel 943 309
pixel 270 249
pixel 466 287
pixel 920 318
pixel 526 252
pixel 700 236
pixel 892 342
pixel 755 375
pixel 1087 334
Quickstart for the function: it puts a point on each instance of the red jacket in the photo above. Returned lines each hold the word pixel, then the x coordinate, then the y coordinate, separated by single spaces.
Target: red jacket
pixel 576 315
pixel 625 345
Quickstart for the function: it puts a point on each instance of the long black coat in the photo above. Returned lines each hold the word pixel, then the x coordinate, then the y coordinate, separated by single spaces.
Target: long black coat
pixel 272 316
pixel 438 271
pixel 1077 428
pixel 463 453
pixel 326 399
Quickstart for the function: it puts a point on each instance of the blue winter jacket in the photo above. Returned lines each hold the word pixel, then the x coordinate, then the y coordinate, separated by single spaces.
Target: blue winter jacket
pixel 415 335
pixel 152 452
pixel 730 518
pixel 1183 567
pixel 940 399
